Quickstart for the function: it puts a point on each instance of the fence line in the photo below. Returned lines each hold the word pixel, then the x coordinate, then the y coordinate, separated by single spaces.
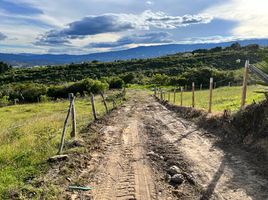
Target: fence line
pixel 212 85
pixel 71 111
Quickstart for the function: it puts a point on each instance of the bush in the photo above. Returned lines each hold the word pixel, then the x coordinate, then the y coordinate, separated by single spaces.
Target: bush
pixel 24 92
pixel 85 86
pixel 116 83
pixel 4 101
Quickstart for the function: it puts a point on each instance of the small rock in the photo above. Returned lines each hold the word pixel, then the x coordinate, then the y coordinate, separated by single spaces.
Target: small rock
pixel 167 178
pixel 151 153
pixel 189 177
pixel 174 170
pixel 58 158
pixel 69 179
pixel 177 179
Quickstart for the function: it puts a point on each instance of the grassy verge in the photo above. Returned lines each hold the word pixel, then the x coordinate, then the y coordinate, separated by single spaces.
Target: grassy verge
pixel 30 134
pixel 223 98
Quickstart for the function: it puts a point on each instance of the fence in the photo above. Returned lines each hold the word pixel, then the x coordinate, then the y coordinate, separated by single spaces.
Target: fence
pixel 161 94
pixel 71 111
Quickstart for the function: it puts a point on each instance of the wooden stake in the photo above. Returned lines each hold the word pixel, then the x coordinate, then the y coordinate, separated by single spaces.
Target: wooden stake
pixel 114 103
pixel 93 106
pixel 64 129
pixel 201 86
pixel 181 94
pixel 161 95
pixel 174 99
pixel 193 97
pixel 73 114
pixel 229 84
pixel 210 94
pixel 104 102
pixel 245 82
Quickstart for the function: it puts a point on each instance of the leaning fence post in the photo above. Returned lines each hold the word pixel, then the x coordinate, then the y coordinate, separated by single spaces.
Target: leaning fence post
pixel 181 94
pixel 210 94
pixel 64 129
pixel 193 97
pixel 244 88
pixel 174 100
pixel 93 106
pixel 104 102
pixel 73 113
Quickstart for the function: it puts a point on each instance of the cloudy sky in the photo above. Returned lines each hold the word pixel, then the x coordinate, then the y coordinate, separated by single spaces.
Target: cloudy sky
pixel 86 26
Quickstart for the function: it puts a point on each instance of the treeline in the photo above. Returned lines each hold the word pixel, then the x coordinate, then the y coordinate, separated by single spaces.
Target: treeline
pixel 231 58
pixel 52 82
pixel 36 92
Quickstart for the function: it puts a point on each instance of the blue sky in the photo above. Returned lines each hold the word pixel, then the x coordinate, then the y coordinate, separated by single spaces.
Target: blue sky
pixel 86 26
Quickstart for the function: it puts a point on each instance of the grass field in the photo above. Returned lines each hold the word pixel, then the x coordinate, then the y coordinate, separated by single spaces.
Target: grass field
pixel 30 134
pixel 223 98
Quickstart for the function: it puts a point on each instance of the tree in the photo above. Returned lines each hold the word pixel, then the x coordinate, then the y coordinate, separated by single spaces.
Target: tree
pixel 4 67
pixel 116 83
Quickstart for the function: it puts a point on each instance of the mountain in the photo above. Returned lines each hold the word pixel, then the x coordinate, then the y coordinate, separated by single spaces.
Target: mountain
pixel 28 60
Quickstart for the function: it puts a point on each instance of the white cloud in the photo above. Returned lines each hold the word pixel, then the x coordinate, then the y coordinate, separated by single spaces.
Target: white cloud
pixel 252 16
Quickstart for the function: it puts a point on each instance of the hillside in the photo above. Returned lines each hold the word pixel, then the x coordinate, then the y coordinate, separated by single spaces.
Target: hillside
pixel 172 65
pixel 142 52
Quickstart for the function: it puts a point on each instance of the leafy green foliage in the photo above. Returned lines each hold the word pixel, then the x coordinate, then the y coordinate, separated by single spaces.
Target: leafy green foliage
pixel 4 67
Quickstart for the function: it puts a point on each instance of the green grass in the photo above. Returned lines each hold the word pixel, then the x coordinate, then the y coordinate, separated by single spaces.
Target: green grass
pixel 223 98
pixel 30 134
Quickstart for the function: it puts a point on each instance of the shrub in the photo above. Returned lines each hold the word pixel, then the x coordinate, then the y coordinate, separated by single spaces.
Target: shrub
pixel 116 83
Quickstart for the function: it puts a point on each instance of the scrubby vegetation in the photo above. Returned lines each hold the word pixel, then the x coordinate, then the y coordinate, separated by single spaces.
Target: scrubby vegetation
pixel 35 84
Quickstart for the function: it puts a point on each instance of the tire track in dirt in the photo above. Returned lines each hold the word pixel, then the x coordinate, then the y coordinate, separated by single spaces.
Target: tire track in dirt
pixel 143 140
pixel 223 175
pixel 124 172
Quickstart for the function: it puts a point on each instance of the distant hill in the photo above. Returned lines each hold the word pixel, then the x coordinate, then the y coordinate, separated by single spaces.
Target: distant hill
pixel 29 60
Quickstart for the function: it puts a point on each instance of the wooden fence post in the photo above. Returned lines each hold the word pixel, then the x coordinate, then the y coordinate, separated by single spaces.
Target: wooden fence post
pixel 181 94
pixel 104 102
pixel 154 91
pixel 229 84
pixel 245 82
pixel 64 129
pixel 174 99
pixel 210 94
pixel 73 114
pixel 161 94
pixel 168 96
pixel 114 103
pixel 193 97
pixel 93 106
pixel 215 85
pixel 201 86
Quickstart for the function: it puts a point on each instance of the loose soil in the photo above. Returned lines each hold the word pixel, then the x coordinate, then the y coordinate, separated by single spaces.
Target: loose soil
pixel 140 145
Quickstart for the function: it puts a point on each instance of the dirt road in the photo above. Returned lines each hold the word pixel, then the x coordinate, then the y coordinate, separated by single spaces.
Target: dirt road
pixel 144 142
